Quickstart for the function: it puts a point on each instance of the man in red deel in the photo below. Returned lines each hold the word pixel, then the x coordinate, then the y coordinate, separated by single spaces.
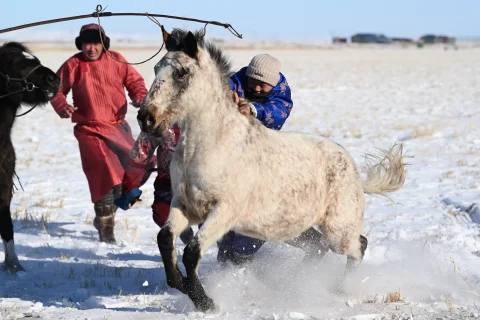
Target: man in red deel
pixel 98 81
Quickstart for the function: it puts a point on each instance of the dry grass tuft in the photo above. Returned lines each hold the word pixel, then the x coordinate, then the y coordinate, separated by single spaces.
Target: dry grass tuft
pixel 394 297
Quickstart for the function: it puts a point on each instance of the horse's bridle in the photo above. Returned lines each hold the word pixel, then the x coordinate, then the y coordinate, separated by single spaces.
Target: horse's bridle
pixel 27 86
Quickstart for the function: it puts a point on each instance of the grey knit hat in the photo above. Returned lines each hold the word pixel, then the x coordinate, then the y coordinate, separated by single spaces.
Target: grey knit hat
pixel 265 68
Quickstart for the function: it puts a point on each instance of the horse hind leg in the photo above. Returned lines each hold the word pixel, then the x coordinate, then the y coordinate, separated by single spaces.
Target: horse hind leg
pixel 312 242
pixel 353 261
pixel 342 228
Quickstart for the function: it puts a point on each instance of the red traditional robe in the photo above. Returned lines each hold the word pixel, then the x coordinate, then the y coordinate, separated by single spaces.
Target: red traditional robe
pixel 104 137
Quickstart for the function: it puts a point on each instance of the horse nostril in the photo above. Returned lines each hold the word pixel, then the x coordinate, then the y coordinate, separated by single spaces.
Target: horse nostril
pixel 150 120
pixel 50 79
pixel 145 120
pixel 140 115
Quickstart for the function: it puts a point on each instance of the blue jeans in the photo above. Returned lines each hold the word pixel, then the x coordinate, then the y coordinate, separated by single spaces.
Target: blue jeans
pixel 239 243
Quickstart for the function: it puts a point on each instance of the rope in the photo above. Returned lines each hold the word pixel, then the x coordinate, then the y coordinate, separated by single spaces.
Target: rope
pixel 19 115
pixel 100 13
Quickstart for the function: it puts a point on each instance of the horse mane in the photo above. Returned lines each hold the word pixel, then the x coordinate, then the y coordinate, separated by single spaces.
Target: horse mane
pixel 16 45
pixel 175 43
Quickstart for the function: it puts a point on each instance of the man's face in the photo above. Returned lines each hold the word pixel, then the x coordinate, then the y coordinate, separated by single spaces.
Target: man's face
pixel 92 51
pixel 257 90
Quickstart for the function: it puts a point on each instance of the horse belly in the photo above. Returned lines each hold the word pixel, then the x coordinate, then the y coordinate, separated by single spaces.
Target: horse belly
pixel 278 226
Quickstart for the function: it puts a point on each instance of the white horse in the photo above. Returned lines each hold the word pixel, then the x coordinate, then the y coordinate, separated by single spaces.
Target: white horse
pixel 232 173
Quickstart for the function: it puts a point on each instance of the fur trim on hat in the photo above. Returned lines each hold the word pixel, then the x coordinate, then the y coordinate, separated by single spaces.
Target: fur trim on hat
pixel 91 35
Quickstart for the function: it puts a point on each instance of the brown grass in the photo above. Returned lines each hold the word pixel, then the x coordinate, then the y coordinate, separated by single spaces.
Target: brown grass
pixel 394 297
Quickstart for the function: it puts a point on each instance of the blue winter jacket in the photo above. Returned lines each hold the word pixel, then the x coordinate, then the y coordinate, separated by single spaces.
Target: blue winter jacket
pixel 277 106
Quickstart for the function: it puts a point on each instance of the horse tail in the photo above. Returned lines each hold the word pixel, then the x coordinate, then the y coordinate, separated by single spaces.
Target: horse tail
pixel 385 171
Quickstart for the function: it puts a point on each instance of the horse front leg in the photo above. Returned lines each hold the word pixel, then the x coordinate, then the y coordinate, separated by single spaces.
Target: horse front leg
pixel 6 230
pixel 176 223
pixel 219 221
pixel 6 226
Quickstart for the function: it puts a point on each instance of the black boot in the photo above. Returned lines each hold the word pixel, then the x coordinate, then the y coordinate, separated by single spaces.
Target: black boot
pixel 104 222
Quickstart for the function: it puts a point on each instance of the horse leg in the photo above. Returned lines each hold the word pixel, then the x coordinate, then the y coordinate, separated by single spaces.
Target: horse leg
pixel 353 261
pixel 312 242
pixel 346 241
pixel 6 228
pixel 219 221
pixel 342 227
pixel 175 224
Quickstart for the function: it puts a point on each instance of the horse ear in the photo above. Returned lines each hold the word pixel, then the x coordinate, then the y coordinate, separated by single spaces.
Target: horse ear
pixel 191 47
pixel 165 34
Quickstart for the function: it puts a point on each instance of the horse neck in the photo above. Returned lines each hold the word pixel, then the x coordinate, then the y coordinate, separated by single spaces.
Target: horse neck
pixel 7 118
pixel 214 119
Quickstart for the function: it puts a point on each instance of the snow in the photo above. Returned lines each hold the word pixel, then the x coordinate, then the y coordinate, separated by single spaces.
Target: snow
pixel 423 258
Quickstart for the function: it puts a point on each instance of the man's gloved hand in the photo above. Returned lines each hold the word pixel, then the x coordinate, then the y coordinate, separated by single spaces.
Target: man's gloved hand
pixel 126 201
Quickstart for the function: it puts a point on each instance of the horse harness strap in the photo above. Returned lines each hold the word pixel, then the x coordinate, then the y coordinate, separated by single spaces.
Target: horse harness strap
pixel 28 86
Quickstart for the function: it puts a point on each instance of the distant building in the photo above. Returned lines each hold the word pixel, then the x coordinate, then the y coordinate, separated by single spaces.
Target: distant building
pixel 339 40
pixel 370 38
pixel 446 39
pixel 429 39
pixel 403 40
pixel 433 39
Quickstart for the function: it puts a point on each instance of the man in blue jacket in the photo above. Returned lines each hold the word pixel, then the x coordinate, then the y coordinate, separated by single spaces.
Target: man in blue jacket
pixel 263 92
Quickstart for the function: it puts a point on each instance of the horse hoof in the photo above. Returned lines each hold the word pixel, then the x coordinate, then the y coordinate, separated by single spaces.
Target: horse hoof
pixel 337 286
pixel 12 267
pixel 206 305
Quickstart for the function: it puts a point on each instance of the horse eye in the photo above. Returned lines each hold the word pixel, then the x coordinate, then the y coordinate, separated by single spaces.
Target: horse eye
pixel 156 68
pixel 181 73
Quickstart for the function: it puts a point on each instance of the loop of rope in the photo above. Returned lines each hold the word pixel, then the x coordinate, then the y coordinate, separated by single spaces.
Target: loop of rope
pixel 204 31
pixel 99 11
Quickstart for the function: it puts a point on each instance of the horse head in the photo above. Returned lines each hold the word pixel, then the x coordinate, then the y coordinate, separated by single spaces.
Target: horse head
pixel 192 73
pixel 23 79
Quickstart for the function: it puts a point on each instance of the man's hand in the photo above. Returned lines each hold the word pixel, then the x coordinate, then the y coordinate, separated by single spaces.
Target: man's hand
pixel 136 104
pixel 244 107
pixel 245 110
pixel 68 111
pixel 235 97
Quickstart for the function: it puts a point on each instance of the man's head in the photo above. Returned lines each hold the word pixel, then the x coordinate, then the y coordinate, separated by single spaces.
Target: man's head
pixel 89 42
pixel 263 74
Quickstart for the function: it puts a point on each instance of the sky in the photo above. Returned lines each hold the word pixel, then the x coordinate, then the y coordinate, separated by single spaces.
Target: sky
pixel 257 20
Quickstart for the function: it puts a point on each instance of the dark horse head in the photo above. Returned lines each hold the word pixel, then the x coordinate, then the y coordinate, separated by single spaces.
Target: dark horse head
pixel 23 79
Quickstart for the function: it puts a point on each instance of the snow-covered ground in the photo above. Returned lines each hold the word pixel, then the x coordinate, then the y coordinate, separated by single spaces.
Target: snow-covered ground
pixel 423 259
